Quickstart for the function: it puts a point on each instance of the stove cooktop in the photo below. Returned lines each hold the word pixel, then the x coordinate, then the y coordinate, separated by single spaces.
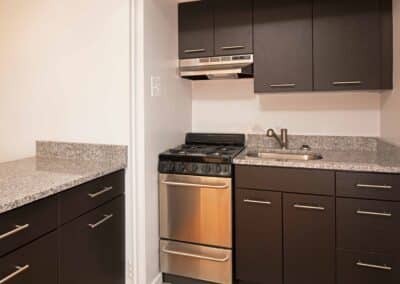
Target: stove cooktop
pixel 203 154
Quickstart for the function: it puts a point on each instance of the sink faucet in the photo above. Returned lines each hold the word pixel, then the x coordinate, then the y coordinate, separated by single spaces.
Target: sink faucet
pixel 283 140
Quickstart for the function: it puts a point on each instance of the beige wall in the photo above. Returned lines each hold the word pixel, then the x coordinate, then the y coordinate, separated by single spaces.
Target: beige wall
pixel 391 100
pixel 166 118
pixel 64 73
pixel 232 106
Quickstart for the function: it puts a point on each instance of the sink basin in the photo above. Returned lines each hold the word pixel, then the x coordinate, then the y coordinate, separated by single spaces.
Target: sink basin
pixel 285 156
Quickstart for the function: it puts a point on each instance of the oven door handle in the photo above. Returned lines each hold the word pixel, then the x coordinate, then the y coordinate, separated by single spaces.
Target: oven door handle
pixel 192 255
pixel 186 184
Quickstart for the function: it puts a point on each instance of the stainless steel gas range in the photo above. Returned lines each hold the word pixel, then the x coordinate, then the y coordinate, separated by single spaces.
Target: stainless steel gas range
pixel 195 186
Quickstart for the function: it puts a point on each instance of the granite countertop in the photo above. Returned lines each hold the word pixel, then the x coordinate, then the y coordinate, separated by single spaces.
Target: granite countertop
pixel 339 153
pixel 51 171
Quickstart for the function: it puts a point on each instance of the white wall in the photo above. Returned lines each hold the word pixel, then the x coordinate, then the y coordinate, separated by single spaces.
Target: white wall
pixel 64 73
pixel 232 106
pixel 391 99
pixel 162 121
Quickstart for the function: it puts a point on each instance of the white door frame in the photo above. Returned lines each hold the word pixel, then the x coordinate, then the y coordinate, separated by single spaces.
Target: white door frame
pixel 136 221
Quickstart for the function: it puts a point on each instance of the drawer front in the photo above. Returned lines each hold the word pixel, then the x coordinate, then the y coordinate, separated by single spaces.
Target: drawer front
pixel 258 234
pixel 368 225
pixel 368 185
pixel 23 225
pixel 92 247
pixel 287 180
pixel 196 209
pixel 196 262
pixel 309 236
pixel 35 263
pixel 90 195
pixel 363 268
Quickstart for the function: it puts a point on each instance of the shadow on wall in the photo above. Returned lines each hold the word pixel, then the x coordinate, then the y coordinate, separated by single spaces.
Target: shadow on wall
pixel 242 91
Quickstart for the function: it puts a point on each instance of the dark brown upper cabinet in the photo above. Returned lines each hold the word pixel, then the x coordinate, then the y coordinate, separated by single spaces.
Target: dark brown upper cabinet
pixel 352 44
pixel 233 27
pixel 283 45
pixel 196 29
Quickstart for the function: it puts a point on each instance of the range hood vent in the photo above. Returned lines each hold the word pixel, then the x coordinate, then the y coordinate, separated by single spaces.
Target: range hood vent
pixel 213 68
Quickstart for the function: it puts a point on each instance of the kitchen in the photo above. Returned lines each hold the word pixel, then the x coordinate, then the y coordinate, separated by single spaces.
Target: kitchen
pixel 127 93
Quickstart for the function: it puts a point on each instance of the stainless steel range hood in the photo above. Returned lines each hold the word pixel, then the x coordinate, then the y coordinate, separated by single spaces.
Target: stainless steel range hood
pixel 223 67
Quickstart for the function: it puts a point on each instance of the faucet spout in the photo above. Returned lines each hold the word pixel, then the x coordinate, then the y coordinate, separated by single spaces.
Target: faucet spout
pixel 283 140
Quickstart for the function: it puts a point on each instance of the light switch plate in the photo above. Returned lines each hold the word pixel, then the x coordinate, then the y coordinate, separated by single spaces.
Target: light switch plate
pixel 155 86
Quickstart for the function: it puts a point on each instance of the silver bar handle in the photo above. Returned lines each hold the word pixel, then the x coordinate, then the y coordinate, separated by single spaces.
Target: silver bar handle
pixel 291 85
pixel 192 255
pixel 17 229
pixel 257 202
pixel 308 207
pixel 371 213
pixel 19 270
pixel 373 186
pixel 368 265
pixel 194 50
pixel 346 83
pixel 232 47
pixel 174 183
pixel 95 225
pixel 101 192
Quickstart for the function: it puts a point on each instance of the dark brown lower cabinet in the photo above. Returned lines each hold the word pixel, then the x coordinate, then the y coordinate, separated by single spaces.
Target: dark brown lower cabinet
pixel 367 268
pixel 35 263
pixel 368 225
pixel 92 246
pixel 258 236
pixel 309 239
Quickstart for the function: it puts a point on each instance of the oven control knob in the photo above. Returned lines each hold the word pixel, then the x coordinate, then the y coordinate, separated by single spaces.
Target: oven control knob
pixel 206 168
pixel 165 167
pixel 218 169
pixel 188 168
pixel 179 167
pixel 195 167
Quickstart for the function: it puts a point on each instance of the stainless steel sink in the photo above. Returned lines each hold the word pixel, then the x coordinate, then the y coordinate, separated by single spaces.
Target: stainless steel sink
pixel 285 156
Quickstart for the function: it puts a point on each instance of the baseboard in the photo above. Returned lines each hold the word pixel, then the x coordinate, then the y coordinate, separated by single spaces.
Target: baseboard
pixel 157 279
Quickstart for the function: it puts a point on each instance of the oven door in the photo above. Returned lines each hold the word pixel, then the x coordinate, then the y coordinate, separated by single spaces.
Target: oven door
pixel 196 209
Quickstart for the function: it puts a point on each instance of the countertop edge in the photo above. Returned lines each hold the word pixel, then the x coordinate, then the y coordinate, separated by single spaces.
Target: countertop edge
pixel 17 203
pixel 334 166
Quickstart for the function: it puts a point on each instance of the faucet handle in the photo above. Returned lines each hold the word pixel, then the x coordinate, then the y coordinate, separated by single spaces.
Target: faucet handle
pixel 270 132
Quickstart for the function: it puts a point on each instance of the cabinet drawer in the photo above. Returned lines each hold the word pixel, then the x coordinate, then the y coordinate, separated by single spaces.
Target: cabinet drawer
pixel 90 195
pixel 35 263
pixel 284 179
pixel 22 225
pixel 368 185
pixel 368 225
pixel 92 247
pixel 196 261
pixel 363 268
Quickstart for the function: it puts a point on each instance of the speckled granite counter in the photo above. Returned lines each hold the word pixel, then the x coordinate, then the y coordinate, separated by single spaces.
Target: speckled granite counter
pixel 361 154
pixel 57 167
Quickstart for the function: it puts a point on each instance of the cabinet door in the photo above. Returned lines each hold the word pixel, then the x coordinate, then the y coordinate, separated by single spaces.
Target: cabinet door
pixel 233 27
pixel 258 236
pixel 309 239
pixel 92 247
pixel 35 263
pixel 196 29
pixel 283 45
pixel 347 44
